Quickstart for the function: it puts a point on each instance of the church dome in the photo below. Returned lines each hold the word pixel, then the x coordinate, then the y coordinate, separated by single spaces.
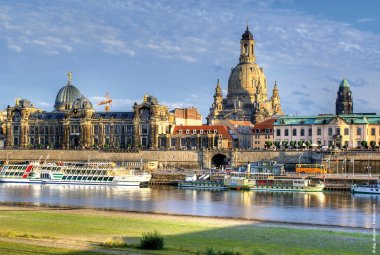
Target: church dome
pixel 247 35
pixel 82 103
pixel 66 97
pixel 244 80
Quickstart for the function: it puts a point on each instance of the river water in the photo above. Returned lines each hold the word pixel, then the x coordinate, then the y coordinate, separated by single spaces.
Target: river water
pixel 332 208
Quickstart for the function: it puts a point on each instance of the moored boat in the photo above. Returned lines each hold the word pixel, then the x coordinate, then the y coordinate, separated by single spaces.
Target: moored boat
pixel 294 185
pixel 202 184
pixel 78 174
pixel 238 181
pixel 366 189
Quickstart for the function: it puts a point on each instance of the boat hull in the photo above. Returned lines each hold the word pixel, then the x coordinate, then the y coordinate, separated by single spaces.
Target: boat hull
pixel 365 190
pixel 58 182
pixel 290 189
pixel 201 185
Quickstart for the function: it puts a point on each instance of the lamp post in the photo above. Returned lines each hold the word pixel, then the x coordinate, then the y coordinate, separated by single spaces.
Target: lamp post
pixel 299 161
pixel 368 167
pixel 59 157
pixel 8 155
pixel 328 161
pixel 299 158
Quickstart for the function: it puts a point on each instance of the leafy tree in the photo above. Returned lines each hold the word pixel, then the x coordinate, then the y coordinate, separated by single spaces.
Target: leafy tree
pixel 373 144
pixel 284 143
pixel 300 143
pixel 364 143
pixel 292 143
pixel 268 144
pixel 277 144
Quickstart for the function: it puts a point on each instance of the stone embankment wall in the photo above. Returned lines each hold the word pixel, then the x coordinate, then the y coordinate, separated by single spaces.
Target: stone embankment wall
pixel 197 159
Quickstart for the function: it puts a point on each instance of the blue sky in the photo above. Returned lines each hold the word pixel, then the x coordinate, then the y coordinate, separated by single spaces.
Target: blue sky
pixel 176 50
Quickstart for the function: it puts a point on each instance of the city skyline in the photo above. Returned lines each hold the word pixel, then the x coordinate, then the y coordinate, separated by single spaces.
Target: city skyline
pixel 307 48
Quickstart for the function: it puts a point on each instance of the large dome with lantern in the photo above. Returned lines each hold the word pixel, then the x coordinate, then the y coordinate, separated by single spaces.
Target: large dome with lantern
pixel 66 96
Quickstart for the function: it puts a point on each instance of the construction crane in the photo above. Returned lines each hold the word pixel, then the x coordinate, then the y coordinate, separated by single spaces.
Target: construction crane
pixel 107 102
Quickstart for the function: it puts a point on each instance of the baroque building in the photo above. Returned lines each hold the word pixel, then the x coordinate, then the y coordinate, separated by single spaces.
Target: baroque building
pixel 344 103
pixel 247 97
pixel 74 123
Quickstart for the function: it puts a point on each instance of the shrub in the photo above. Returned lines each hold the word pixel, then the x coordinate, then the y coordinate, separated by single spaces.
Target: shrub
pixel 114 242
pixel 152 241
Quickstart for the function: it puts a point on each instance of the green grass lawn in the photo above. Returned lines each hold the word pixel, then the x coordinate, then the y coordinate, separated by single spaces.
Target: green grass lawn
pixel 181 236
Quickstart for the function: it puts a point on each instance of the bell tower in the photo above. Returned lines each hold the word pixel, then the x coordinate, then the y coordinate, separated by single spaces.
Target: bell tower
pixel 247 46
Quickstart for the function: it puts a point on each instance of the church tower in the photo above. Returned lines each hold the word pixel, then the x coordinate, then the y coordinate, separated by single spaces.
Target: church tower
pixel 247 94
pixel 344 103
pixel 275 100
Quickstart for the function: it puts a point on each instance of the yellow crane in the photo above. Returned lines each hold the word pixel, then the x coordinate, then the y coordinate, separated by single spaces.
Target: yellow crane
pixel 107 102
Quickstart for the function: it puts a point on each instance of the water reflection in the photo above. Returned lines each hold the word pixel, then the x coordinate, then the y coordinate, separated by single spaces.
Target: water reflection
pixel 335 208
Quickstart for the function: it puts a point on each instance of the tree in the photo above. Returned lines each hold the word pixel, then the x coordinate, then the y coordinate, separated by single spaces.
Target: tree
pixel 364 144
pixel 284 143
pixel 277 144
pixel 308 143
pixel 373 144
pixel 300 143
pixel 268 144
pixel 293 143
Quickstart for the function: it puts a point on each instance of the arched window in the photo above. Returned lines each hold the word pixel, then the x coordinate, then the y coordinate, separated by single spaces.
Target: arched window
pixel 246 49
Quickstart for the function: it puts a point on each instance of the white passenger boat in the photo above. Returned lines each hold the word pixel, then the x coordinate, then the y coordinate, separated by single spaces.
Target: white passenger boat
pixel 367 189
pixel 78 174
pixel 294 185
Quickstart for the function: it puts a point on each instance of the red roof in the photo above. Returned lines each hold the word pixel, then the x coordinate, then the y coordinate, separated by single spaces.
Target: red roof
pixel 266 124
pixel 241 122
pixel 204 129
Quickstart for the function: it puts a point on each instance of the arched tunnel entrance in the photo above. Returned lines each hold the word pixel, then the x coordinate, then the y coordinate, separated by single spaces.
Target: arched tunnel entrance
pixel 219 161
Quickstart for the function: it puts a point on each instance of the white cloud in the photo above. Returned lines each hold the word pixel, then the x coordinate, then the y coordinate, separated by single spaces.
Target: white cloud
pixel 365 20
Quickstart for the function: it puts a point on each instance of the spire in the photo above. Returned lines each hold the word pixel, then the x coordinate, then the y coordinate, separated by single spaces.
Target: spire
pixel 218 89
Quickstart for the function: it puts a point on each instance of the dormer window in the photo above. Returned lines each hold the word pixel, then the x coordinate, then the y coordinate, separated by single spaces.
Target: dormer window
pixel 187 131
pixel 180 131
pixel 201 131
pixel 215 131
pixel 194 131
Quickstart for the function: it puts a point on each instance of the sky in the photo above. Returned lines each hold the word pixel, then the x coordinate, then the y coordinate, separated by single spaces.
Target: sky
pixel 177 50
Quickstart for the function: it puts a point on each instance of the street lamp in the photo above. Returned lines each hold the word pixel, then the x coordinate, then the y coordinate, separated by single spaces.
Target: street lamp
pixel 59 157
pixel 8 155
pixel 368 167
pixel 299 158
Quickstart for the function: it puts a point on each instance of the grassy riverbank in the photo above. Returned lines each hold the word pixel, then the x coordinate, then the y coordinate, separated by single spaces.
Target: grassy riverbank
pixel 82 231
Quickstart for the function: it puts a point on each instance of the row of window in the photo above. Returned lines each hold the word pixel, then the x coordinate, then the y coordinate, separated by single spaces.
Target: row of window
pixel 319 131
pixel 201 131
pixel 117 129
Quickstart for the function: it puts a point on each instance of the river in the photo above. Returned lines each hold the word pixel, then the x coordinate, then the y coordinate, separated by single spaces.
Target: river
pixel 331 208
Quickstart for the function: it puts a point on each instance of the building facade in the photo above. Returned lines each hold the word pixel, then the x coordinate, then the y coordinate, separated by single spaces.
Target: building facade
pixel 247 97
pixel 186 117
pixel 198 137
pixel 75 124
pixel 341 131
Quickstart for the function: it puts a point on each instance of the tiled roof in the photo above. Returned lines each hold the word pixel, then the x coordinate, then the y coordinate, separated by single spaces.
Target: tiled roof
pixel 205 129
pixel 115 115
pixel 240 122
pixel 266 124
